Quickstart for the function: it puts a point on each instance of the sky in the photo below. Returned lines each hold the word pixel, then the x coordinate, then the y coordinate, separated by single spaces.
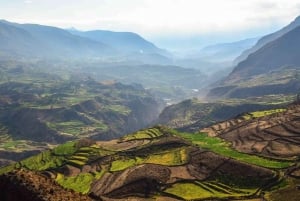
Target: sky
pixel 189 22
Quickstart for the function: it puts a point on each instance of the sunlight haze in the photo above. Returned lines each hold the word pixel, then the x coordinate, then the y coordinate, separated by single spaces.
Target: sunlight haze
pixel 157 19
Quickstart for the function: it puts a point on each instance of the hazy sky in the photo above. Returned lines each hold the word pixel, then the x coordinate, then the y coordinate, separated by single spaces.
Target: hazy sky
pixel 158 19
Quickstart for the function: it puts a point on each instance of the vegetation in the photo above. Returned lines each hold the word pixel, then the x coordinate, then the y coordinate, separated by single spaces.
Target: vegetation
pixel 64 107
pixel 204 190
pixel 45 160
pixel 79 183
pixel 122 164
pixel 144 134
pixel 170 158
pixel 192 115
pixel 221 147
pixel 66 149
pixel 263 113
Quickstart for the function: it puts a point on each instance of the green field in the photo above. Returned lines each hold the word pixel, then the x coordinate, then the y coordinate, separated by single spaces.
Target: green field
pixel 206 190
pixel 263 113
pixel 223 148
pixel 79 183
pixel 144 134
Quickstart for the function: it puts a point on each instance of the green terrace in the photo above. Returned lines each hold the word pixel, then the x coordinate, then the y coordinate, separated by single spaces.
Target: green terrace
pixel 223 148
pixel 206 190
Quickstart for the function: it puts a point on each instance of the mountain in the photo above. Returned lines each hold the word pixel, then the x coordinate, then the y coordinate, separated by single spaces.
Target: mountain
pixel 253 156
pixel 268 38
pixel 281 52
pixel 16 41
pixel 273 69
pixel 215 61
pixel 32 40
pixel 46 42
pixel 131 44
pixel 123 41
pixel 225 52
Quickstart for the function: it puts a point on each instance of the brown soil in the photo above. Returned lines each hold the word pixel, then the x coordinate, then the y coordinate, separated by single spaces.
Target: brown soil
pixel 118 145
pixel 206 165
pixel 131 180
pixel 31 186
pixel 276 135
pixel 144 180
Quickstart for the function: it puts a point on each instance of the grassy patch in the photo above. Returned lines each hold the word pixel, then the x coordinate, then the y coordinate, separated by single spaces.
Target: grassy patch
pixel 80 183
pixel 45 160
pixel 221 147
pixel 76 162
pixel 123 164
pixel 191 191
pixel 70 127
pixel 118 109
pixel 65 149
pixel 42 161
pixel 14 145
pixel 258 114
pixel 76 127
pixel 172 157
pixel 144 134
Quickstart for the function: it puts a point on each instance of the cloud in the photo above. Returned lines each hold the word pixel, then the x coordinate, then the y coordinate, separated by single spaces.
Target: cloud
pixel 28 2
pixel 156 16
pixel 267 5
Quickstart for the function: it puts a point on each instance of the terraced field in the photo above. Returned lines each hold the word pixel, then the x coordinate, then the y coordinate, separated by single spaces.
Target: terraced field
pixel 158 163
pixel 207 190
pixel 275 134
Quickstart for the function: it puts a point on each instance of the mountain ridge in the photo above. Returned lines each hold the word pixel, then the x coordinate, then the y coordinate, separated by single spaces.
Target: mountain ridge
pixel 268 38
pixel 51 41
pixel 48 42
pixel 271 69
pixel 281 52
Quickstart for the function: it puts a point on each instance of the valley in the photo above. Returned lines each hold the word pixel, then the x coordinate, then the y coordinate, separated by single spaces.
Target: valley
pixel 43 110
pixel 164 164
pixel 110 115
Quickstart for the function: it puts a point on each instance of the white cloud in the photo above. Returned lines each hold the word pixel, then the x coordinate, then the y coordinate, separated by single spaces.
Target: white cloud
pixel 156 16
pixel 28 2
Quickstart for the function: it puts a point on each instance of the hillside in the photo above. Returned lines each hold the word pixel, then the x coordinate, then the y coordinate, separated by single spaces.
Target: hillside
pixel 40 110
pixel 34 41
pixel 39 41
pixel 225 52
pixel 279 53
pixel 273 69
pixel 124 41
pixel 164 164
pixel 281 82
pixel 132 47
pixel 192 115
pixel 271 133
pixel 267 39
